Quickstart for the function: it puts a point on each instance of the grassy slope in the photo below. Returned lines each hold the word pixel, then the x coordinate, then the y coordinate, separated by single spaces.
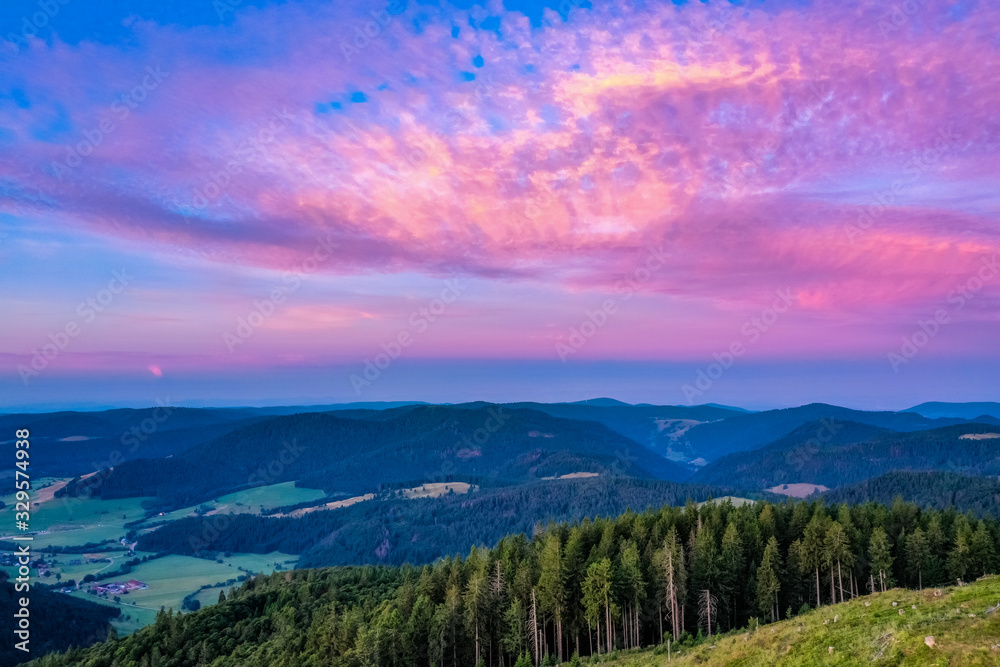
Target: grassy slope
pixel 872 635
pixel 171 578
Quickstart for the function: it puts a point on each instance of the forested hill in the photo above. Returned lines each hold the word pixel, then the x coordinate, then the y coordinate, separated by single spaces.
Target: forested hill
pixel 963 410
pixel 969 449
pixel 66 444
pixel 487 444
pixel 396 531
pixel 938 490
pixel 591 587
pixel 751 431
pixel 57 621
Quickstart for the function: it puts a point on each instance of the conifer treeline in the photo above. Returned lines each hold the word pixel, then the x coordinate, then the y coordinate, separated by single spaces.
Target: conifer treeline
pixel 588 588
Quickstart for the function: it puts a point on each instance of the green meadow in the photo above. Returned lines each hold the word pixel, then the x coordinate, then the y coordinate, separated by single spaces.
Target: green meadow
pixel 172 578
pixel 956 626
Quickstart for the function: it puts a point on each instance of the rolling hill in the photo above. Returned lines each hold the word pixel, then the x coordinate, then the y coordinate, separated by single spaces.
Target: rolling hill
pixel 959 410
pixel 57 622
pixel 405 446
pixel 745 432
pixel 390 530
pixel 858 452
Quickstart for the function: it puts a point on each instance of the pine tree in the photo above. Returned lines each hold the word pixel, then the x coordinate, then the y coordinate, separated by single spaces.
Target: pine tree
pixel 812 548
pixel 551 585
pixel 536 644
pixel 514 637
pixel 981 550
pixel 769 579
pixel 731 566
pixel 597 590
pixel 960 557
pixel 880 556
pixel 836 553
pixel 475 602
pixel 917 552
pixel 634 590
pixel 671 560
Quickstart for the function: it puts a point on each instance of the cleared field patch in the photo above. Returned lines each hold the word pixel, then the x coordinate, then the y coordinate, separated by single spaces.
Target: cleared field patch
pixel 979 436
pixel 438 489
pixel 328 506
pixel 172 578
pixel 250 501
pixel 574 475
pixel 75 521
pixel 801 490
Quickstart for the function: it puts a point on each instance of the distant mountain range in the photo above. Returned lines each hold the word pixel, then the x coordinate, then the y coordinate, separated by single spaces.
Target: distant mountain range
pixel 353 453
pixel 185 456
pixel 959 410
pixel 856 452
pixel 76 443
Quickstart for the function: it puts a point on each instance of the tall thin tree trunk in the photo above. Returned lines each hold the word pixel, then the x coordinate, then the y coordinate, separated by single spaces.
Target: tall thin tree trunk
pixel 534 627
pixel 659 614
pixel 559 634
pixel 840 581
pixel 818 601
pixel 607 623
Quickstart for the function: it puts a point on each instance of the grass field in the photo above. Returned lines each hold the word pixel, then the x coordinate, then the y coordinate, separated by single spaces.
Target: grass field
pixel 251 501
pixel 73 522
pixel 962 622
pixel 172 578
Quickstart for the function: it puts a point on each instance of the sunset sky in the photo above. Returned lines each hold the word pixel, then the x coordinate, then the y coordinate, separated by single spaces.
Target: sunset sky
pixel 506 200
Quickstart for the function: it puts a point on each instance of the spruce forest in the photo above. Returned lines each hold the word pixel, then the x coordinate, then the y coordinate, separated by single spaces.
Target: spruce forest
pixel 571 591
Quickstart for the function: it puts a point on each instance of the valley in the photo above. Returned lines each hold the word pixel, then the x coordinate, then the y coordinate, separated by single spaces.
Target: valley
pixel 416 483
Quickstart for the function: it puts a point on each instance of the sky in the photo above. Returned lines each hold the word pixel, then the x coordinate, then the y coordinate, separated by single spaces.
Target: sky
pixel 753 203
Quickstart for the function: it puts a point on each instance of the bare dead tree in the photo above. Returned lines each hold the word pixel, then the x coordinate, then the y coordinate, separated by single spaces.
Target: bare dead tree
pixel 708 607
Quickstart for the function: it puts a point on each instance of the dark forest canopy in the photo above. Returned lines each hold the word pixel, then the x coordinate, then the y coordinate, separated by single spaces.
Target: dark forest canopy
pixel 57 621
pixel 327 451
pixel 589 587
pixel 392 531
pixel 936 490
